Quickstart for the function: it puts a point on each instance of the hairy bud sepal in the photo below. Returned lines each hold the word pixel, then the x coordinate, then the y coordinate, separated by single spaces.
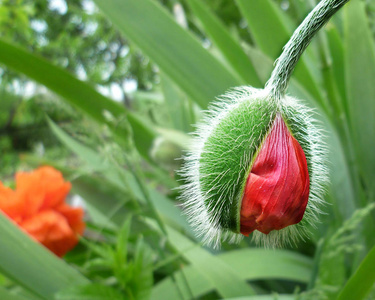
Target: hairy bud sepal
pixel 226 149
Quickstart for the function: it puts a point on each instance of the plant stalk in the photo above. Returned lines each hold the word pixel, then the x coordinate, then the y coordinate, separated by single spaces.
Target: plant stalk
pixel 297 44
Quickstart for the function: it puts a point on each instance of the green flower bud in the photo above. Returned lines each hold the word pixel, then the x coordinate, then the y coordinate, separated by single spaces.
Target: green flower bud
pixel 248 133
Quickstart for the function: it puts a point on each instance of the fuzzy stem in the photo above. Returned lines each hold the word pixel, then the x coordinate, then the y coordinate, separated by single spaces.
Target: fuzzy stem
pixel 300 39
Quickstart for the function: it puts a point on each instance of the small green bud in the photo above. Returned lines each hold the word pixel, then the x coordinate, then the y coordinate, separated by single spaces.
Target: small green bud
pixel 165 153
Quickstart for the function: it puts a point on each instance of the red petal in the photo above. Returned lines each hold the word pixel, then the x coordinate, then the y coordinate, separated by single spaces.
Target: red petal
pixel 277 189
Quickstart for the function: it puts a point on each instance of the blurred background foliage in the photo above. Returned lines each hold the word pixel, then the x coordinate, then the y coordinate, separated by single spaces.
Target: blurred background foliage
pixel 160 63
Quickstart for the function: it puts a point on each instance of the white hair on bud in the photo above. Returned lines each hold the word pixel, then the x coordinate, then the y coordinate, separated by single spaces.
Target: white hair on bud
pixel 204 223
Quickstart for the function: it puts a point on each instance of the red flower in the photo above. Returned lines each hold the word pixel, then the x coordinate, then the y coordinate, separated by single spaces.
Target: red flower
pixel 37 206
pixel 277 188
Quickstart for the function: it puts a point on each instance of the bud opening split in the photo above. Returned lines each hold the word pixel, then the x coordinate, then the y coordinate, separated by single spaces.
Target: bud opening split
pixel 257 168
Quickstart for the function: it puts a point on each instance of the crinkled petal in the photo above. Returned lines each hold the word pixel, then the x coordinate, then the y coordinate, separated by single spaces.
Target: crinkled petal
pixel 277 188
pixel 52 230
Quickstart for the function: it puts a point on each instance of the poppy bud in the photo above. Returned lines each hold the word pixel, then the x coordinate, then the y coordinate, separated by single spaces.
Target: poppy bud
pixel 257 167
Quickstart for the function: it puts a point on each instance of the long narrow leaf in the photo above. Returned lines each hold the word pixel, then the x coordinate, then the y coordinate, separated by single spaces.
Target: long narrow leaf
pixel 6 295
pixel 226 43
pixel 338 63
pixel 177 104
pixel 248 264
pixel 31 265
pixel 216 271
pixel 74 91
pixel 267 297
pixel 170 46
pixel 360 74
pixel 362 281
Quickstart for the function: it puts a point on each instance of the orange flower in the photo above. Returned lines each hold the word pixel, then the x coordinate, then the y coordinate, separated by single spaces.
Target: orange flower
pixel 38 206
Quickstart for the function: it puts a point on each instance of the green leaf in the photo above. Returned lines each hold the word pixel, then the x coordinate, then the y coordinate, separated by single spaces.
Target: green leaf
pixel 105 214
pixel 339 243
pixel 121 250
pixel 248 265
pixel 360 74
pixel 223 39
pixel 178 105
pixel 201 76
pixel 143 276
pixel 268 297
pixel 271 32
pixel 31 265
pixel 338 63
pixel 89 292
pixel 266 25
pixel 341 187
pixel 360 284
pixel 85 153
pixel 222 276
pixel 7 295
pixel 77 93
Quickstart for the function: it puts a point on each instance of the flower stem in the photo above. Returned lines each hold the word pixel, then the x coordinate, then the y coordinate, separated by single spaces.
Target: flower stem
pixel 297 44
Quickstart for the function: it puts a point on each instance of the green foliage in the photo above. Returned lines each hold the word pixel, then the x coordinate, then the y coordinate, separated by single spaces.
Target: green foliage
pixel 121 156
pixel 362 281
pixel 132 276
pixel 332 261
pixel 31 265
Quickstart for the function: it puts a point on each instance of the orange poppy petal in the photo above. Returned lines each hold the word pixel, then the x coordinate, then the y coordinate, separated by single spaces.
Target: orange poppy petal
pixel 52 230
pixel 74 216
pixel 9 203
pixel 46 185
